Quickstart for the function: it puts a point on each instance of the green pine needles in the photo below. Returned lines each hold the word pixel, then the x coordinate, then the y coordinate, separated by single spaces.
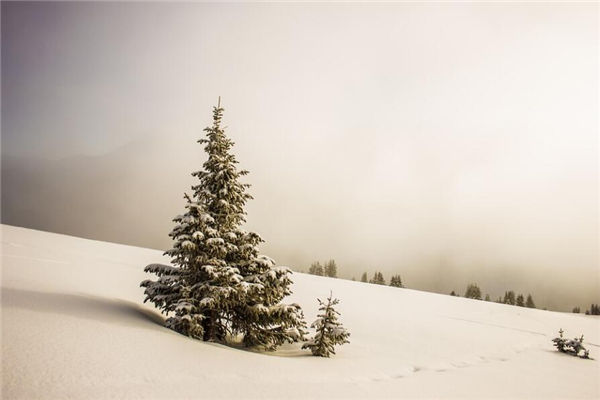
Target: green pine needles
pixel 219 285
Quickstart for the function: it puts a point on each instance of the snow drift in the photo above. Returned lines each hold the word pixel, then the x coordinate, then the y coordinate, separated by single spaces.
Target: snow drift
pixel 74 326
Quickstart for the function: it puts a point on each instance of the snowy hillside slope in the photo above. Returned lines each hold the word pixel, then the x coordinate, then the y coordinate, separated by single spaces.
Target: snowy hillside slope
pixel 73 326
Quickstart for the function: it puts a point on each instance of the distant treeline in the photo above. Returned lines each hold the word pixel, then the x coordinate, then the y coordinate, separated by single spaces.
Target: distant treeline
pixel 378 279
pixel 330 269
pixel 474 292
pixel 594 310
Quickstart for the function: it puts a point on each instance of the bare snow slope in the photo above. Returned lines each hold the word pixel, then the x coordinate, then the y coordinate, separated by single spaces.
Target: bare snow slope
pixel 73 326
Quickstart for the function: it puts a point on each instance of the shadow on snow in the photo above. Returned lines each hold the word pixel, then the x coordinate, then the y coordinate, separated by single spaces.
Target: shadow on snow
pixel 116 311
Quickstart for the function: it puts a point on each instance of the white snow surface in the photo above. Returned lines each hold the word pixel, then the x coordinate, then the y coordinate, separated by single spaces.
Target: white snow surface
pixel 74 327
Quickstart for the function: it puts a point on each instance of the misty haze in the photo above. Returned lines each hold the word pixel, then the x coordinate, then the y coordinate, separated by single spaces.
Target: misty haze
pixel 444 155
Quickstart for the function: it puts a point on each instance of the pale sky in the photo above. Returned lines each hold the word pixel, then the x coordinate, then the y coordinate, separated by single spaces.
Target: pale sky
pixel 448 143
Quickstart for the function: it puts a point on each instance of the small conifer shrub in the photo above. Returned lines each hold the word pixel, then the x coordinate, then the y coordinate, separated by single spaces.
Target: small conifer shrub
pixel 571 346
pixel 330 332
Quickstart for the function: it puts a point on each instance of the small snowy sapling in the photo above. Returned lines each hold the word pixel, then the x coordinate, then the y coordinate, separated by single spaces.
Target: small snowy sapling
pixel 572 346
pixel 329 333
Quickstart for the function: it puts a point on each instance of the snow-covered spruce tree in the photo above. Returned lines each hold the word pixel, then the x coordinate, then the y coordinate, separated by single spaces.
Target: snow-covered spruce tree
pixel 261 318
pixel 329 332
pixel 220 284
pixel 202 288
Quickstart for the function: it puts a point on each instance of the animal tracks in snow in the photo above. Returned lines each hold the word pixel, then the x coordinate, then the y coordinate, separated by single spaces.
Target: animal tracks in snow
pixel 442 367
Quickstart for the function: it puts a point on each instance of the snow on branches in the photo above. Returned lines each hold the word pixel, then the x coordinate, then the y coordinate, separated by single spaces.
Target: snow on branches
pixel 219 285
pixel 571 346
pixel 329 332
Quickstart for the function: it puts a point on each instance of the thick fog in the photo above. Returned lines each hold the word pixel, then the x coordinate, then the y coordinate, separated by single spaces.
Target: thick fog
pixel 449 143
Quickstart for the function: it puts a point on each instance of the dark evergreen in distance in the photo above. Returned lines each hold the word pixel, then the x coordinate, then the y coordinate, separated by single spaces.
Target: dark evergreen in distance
pixel 330 269
pixel 364 278
pixel 396 281
pixel 529 302
pixel 316 269
pixel 594 310
pixel 219 284
pixel 329 332
pixel 520 301
pixel 473 292
pixel 509 298
pixel 378 279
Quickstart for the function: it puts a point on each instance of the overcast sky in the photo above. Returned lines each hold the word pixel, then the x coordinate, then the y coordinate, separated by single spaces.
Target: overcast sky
pixel 446 142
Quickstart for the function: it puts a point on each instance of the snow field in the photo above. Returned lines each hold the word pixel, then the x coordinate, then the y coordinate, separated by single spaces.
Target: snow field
pixel 73 326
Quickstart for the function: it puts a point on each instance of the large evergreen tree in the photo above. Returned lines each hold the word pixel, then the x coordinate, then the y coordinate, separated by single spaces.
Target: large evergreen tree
pixel 220 284
pixel 201 287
